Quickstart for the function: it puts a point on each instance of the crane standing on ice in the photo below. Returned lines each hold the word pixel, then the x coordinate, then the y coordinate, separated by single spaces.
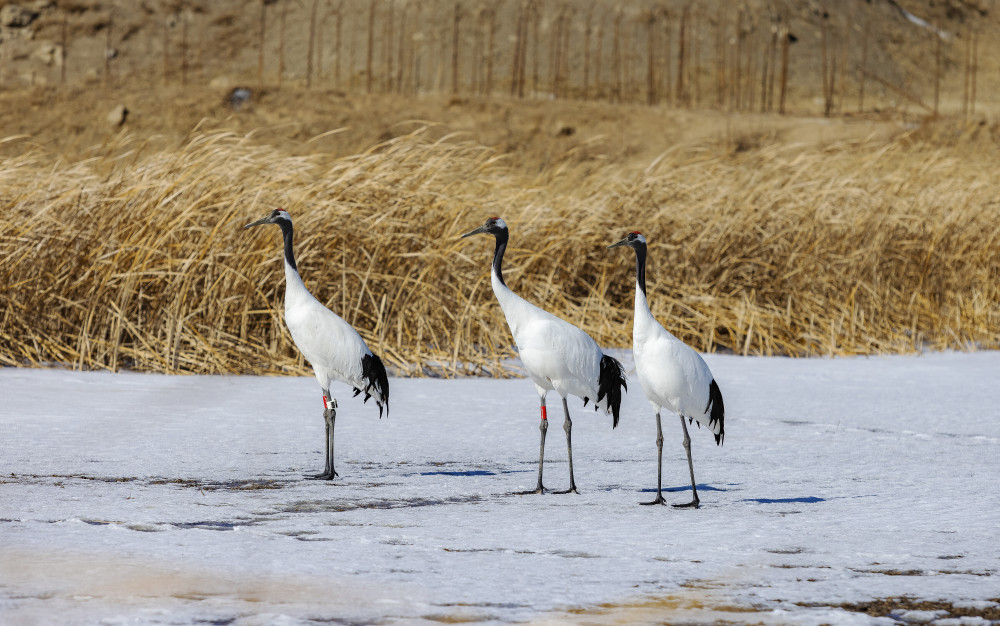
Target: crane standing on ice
pixel 557 355
pixel 672 374
pixel 334 349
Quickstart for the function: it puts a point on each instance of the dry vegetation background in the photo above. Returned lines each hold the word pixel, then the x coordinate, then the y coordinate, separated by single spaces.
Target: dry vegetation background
pixel 873 229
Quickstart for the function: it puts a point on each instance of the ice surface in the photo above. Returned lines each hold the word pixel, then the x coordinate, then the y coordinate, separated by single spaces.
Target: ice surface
pixel 128 498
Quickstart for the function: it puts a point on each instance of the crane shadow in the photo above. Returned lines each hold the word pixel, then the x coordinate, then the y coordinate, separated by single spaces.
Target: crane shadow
pixel 701 487
pixel 803 500
pixel 466 473
pixel 458 473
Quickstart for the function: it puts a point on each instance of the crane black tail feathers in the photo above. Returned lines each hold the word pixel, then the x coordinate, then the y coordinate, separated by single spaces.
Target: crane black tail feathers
pixel 610 384
pixel 376 382
pixel 718 414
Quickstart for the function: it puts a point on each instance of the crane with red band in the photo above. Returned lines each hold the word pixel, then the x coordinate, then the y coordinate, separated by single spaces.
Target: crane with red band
pixel 556 354
pixel 334 349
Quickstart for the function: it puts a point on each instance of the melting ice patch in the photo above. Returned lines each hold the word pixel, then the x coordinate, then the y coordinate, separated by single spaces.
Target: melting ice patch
pixel 153 499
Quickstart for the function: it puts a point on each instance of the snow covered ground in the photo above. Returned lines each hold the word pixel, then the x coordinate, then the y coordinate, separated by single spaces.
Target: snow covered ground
pixel 128 498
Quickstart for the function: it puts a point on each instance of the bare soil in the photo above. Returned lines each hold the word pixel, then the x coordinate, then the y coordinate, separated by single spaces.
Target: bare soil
pixel 65 66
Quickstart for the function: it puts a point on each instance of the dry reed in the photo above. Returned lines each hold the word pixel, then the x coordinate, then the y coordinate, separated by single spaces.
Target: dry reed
pixel 136 260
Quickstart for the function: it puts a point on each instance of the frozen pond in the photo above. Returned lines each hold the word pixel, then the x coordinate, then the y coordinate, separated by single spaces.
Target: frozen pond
pixel 128 498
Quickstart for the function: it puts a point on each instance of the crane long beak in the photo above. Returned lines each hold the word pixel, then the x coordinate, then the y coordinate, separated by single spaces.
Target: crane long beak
pixel 262 220
pixel 481 229
pixel 623 242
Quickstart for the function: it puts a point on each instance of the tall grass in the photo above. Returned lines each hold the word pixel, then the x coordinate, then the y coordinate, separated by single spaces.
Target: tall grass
pixel 139 260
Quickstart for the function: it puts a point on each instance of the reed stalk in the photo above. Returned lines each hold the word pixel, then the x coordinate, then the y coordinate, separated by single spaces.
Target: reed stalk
pixel 865 247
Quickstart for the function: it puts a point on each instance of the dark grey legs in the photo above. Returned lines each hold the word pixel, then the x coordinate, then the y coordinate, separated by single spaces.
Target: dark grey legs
pixel 687 447
pixel 659 462
pixel 568 427
pixel 543 426
pixel 330 417
pixel 659 466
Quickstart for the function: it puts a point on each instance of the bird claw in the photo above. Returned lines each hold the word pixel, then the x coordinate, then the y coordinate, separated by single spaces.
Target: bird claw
pixel 690 505
pixel 572 489
pixel 659 500
pixel 323 476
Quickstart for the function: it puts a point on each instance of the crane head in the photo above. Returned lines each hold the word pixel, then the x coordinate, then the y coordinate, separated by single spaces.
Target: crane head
pixel 493 226
pixel 633 240
pixel 274 217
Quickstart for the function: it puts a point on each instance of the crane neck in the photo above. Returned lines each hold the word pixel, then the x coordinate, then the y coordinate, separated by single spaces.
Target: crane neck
pixel 640 268
pixel 286 233
pixel 644 321
pixel 498 255
pixel 296 292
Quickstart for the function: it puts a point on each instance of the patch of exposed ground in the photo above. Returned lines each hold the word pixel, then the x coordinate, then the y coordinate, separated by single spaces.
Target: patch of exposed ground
pixel 898 608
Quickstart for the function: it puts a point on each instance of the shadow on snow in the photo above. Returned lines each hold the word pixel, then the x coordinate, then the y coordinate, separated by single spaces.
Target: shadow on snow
pixel 685 488
pixel 803 500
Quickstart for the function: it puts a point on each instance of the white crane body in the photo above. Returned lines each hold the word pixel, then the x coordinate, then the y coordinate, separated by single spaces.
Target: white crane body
pixel 328 343
pixel 671 373
pixel 557 355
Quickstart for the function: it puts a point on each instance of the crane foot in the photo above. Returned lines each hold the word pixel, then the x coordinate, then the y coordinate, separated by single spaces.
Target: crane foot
pixel 323 476
pixel 690 505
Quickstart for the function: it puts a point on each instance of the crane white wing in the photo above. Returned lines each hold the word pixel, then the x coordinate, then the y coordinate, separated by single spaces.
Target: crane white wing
pixel 329 343
pixel 556 354
pixel 672 374
pixel 565 355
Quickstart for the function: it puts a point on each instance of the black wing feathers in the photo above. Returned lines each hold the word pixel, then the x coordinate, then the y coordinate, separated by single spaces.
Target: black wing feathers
pixel 376 382
pixel 718 411
pixel 611 383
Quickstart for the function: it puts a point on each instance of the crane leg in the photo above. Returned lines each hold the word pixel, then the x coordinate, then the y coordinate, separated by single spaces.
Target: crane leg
pixel 659 463
pixel 568 427
pixel 330 417
pixel 694 489
pixel 543 427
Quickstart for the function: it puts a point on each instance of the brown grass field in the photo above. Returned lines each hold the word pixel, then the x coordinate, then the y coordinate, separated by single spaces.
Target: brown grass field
pixel 123 247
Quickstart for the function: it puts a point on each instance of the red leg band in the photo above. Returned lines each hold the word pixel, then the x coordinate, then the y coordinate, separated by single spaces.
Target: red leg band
pixel 543 413
pixel 324 402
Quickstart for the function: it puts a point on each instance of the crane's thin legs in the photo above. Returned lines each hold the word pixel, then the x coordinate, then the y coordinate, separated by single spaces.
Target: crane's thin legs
pixel 543 426
pixel 659 463
pixel 326 444
pixel 568 427
pixel 687 446
pixel 330 417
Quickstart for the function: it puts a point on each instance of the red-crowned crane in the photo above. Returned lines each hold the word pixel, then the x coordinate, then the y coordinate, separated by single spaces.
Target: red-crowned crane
pixel 557 355
pixel 671 373
pixel 334 349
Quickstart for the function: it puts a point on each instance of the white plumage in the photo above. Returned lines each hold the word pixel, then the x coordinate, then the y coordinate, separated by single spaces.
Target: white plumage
pixel 334 349
pixel 556 354
pixel 328 343
pixel 673 376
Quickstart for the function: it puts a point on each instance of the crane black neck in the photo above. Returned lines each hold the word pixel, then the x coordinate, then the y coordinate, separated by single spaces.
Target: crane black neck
pixel 286 232
pixel 640 265
pixel 501 237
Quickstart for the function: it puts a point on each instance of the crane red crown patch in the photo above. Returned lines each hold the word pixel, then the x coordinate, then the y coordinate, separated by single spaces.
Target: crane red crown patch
pixel 281 209
pixel 635 232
